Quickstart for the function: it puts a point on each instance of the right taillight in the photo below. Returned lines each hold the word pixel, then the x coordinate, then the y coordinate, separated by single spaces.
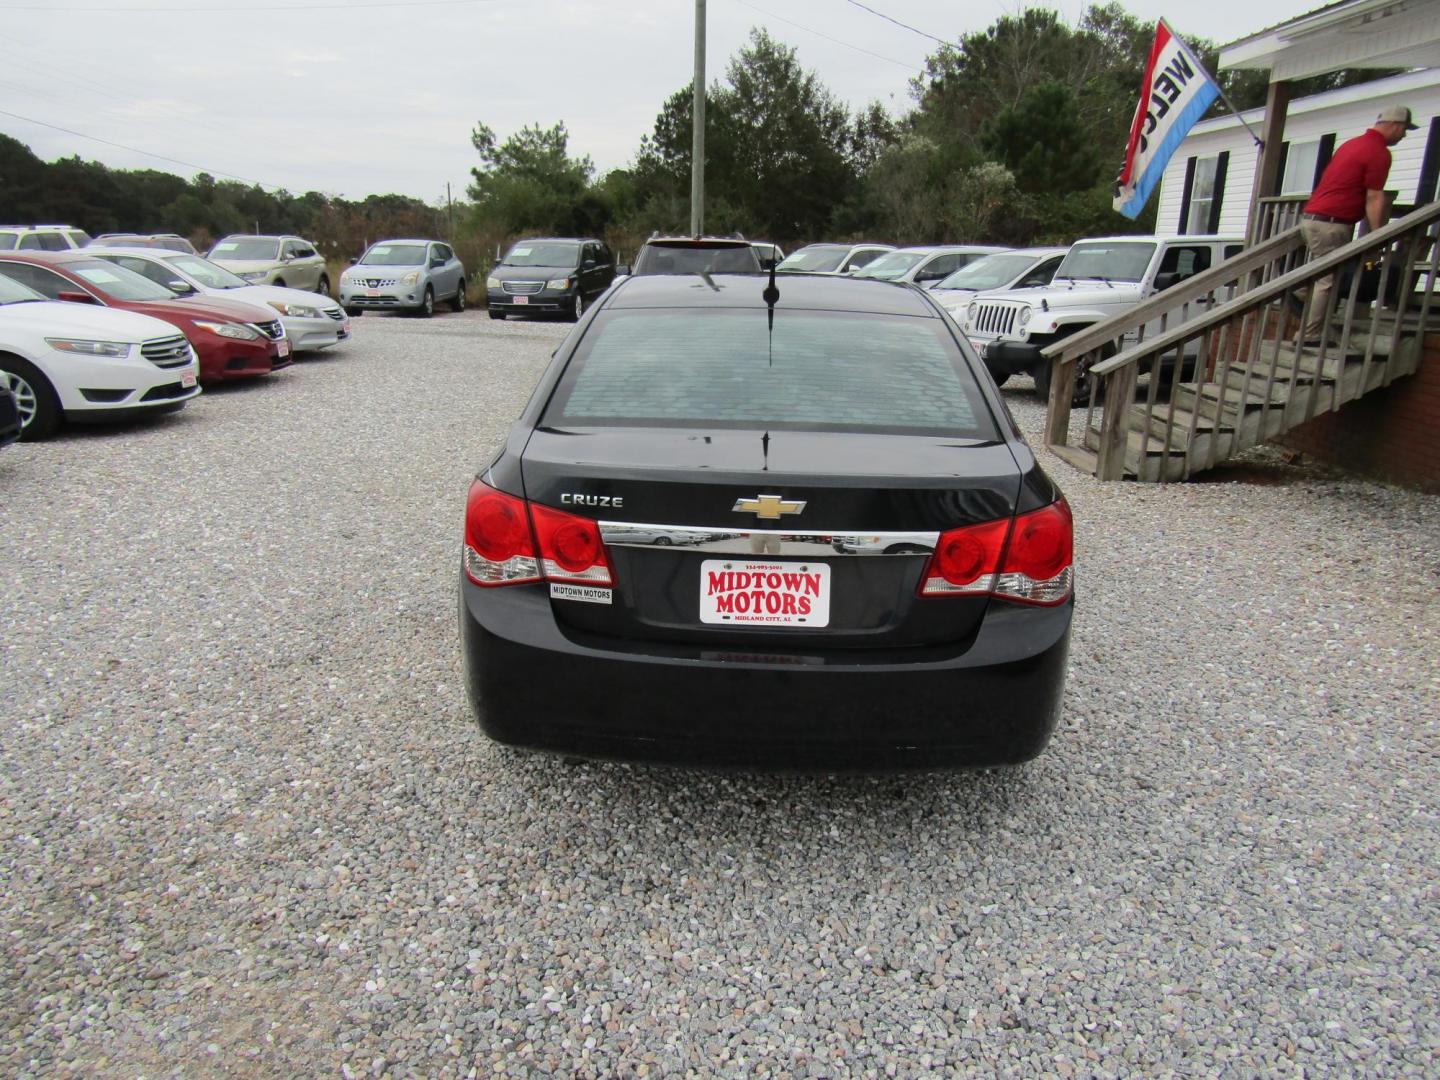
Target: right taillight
pixel 501 537
pixel 1028 559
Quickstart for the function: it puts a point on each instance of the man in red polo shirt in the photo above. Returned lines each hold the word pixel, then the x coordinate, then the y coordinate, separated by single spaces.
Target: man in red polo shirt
pixel 1351 188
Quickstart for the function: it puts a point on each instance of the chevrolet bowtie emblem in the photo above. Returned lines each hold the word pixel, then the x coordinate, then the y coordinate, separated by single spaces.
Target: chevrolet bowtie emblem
pixel 768 507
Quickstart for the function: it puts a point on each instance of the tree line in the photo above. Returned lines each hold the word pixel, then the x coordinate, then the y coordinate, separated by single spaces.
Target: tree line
pixel 1014 136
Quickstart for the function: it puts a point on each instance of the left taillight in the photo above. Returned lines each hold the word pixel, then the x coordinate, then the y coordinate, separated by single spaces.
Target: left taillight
pixel 499 549
pixel 501 537
pixel 1028 559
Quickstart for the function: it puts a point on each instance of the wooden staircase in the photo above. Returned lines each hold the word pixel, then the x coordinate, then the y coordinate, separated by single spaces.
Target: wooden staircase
pixel 1261 402
pixel 1227 369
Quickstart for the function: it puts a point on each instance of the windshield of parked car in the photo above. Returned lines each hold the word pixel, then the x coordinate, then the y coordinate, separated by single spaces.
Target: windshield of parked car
pixel 891 266
pixel 394 255
pixel 207 273
pixel 543 253
pixel 12 292
pixel 991 272
pixel 723 368
pixel 237 248
pixel 118 282
pixel 1106 262
pixel 698 258
pixel 816 259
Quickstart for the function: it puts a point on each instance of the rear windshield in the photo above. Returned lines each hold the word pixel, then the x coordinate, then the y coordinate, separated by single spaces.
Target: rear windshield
pixel 699 259
pixel 821 370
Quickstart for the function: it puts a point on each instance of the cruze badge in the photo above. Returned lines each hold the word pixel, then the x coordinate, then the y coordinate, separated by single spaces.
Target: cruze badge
pixel 616 501
pixel 768 507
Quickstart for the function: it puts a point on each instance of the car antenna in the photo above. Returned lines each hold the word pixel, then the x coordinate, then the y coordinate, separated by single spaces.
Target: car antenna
pixel 765 450
pixel 770 295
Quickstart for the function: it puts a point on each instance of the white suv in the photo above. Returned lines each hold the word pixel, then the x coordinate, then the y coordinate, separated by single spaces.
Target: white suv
pixel 42 237
pixel 81 362
pixel 1097 279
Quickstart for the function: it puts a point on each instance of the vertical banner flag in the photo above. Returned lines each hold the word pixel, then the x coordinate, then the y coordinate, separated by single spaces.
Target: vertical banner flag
pixel 1174 93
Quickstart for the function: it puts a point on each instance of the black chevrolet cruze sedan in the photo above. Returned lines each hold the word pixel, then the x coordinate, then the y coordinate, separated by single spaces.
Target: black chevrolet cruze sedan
pixel 779 525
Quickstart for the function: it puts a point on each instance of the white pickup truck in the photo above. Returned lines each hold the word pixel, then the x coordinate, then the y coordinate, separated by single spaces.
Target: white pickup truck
pixel 1098 279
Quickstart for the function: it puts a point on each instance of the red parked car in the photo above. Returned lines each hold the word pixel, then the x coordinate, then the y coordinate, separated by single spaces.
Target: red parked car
pixel 232 339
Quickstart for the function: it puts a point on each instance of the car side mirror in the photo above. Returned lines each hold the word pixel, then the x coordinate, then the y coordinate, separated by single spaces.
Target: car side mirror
pixel 1164 281
pixel 766 264
pixel 180 288
pixel 351 262
pixel 588 264
pixel 77 297
pixel 436 262
pixel 622 269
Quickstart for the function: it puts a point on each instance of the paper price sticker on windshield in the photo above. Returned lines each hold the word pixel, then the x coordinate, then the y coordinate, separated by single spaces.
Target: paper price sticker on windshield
pixel 735 592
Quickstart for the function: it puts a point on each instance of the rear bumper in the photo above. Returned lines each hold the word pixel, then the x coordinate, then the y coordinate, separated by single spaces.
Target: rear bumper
pixel 993 702
pixel 542 303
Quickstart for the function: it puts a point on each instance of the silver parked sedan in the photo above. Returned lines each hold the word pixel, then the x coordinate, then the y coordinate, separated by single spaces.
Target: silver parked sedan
pixel 311 321
pixel 404 275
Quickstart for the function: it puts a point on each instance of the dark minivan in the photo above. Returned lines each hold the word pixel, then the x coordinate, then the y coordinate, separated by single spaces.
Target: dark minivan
pixel 550 275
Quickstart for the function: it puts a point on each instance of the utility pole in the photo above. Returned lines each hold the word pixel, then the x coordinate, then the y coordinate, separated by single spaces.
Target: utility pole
pixel 697 146
pixel 449 214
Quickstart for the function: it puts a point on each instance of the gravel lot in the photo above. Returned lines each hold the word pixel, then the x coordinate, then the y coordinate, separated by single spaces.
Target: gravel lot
pixel 247 826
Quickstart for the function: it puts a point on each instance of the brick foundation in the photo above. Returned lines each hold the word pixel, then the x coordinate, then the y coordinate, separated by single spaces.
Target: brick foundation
pixel 1391 435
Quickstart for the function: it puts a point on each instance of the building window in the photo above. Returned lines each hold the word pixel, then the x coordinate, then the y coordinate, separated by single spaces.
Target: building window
pixel 1202 195
pixel 1299 177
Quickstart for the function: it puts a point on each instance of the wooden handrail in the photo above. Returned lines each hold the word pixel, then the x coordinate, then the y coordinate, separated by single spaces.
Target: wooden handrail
pixel 1261 294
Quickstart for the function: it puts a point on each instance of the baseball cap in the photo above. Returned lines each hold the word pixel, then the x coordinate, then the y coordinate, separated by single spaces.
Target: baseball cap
pixel 1397 114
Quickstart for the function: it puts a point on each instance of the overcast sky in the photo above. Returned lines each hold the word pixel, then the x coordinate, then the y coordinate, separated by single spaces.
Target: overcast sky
pixel 359 97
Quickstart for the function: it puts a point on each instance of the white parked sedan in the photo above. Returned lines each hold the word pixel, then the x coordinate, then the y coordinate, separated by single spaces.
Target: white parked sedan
pixel 312 321
pixel 82 362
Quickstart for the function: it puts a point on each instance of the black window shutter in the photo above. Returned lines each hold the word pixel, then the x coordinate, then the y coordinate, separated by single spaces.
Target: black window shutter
pixel 1218 195
pixel 1185 196
pixel 1430 166
pixel 1280 172
pixel 1322 157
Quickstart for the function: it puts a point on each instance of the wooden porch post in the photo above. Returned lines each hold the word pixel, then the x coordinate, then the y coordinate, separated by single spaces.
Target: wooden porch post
pixel 1267 169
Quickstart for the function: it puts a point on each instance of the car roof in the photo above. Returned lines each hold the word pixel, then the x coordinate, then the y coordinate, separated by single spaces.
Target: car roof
pixel 825 292
pixel 141 252
pixel 712 241
pixel 565 239
pixel 69 255
pixel 407 240
pixel 931 249
pixel 1136 238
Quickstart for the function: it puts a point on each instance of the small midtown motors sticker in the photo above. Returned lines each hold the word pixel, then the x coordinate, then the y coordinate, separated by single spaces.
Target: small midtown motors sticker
pixel 590 594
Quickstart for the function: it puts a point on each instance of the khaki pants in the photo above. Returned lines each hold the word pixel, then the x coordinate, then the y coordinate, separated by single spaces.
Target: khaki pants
pixel 1321 238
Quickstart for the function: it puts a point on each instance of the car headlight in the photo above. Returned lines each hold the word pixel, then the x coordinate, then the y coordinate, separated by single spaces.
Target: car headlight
pixel 972 311
pixel 296 311
pixel 411 278
pixel 253 275
pixel 239 331
pixel 492 283
pixel 344 276
pixel 89 348
pixel 561 283
pixel 1023 319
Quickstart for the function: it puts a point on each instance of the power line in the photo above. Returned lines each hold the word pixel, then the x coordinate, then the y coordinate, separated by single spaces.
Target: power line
pixel 137 150
pixel 827 37
pixel 897 22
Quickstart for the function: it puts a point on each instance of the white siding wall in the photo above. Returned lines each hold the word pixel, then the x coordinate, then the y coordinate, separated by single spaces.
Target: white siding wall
pixel 1345 112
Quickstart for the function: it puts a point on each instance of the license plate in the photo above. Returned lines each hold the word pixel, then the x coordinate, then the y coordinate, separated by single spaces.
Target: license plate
pixel 284 344
pixel 520 299
pixel 739 592
pixel 372 292
pixel 187 379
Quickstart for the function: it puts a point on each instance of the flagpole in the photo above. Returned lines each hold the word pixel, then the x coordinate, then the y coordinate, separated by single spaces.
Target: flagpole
pixel 1218 88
